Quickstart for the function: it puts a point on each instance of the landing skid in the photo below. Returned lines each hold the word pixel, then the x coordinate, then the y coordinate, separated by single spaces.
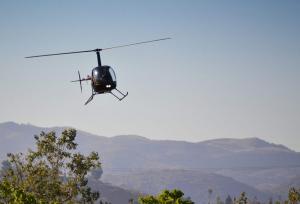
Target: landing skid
pixel 90 99
pixel 119 98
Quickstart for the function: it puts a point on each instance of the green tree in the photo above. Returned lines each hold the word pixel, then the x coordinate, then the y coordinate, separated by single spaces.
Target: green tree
pixel 166 197
pixel 14 195
pixel 52 173
pixel 294 195
pixel 242 199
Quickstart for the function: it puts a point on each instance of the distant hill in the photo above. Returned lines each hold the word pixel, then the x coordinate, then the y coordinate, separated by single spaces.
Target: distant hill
pixel 112 194
pixel 194 183
pixel 134 152
pixel 247 144
pixel 265 179
pixel 128 152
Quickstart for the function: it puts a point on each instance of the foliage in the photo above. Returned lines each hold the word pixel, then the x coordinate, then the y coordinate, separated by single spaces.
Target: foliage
pixel 12 195
pixel 166 197
pixel 294 195
pixel 242 199
pixel 53 173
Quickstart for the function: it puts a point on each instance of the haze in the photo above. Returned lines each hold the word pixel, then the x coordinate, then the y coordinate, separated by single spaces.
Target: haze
pixel 230 70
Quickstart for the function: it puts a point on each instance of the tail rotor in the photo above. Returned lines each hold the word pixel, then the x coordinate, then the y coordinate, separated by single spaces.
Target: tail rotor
pixel 79 80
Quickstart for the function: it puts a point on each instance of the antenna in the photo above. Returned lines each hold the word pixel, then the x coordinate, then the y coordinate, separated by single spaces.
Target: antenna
pixel 97 49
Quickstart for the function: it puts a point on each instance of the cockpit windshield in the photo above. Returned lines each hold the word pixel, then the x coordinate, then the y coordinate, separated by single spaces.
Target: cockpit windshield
pixel 104 74
pixel 112 74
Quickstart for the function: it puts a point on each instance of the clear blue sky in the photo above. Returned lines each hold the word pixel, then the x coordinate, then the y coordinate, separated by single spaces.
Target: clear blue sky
pixel 231 69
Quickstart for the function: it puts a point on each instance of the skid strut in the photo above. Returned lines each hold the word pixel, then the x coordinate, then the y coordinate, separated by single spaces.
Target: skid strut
pixel 118 97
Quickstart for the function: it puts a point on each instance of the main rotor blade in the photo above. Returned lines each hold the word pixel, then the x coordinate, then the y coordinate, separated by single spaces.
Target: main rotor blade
pixel 108 48
pixel 62 53
pixel 98 50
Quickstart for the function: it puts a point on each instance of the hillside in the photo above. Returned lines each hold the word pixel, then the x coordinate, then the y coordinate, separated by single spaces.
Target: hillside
pixel 112 194
pixel 194 183
pixel 264 179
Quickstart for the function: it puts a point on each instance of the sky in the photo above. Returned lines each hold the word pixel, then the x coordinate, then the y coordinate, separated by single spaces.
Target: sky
pixel 231 69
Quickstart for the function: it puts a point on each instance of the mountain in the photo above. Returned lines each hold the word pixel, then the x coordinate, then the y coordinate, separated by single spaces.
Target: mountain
pixel 194 183
pixel 128 152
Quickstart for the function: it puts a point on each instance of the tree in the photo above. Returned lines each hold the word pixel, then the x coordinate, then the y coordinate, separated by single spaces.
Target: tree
pixel 52 173
pixel 242 199
pixel 166 197
pixel 228 200
pixel 294 195
pixel 14 195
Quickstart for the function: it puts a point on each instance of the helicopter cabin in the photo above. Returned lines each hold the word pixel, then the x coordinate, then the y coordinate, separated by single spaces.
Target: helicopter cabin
pixel 103 79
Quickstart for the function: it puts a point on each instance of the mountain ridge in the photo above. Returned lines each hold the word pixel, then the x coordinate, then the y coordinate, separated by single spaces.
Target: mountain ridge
pixel 132 151
pixel 254 140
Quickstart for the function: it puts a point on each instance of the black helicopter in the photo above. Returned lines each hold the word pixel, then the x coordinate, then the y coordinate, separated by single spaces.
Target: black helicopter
pixel 103 78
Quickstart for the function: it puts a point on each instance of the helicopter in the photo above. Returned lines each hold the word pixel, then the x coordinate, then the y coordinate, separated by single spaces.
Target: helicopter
pixel 103 78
